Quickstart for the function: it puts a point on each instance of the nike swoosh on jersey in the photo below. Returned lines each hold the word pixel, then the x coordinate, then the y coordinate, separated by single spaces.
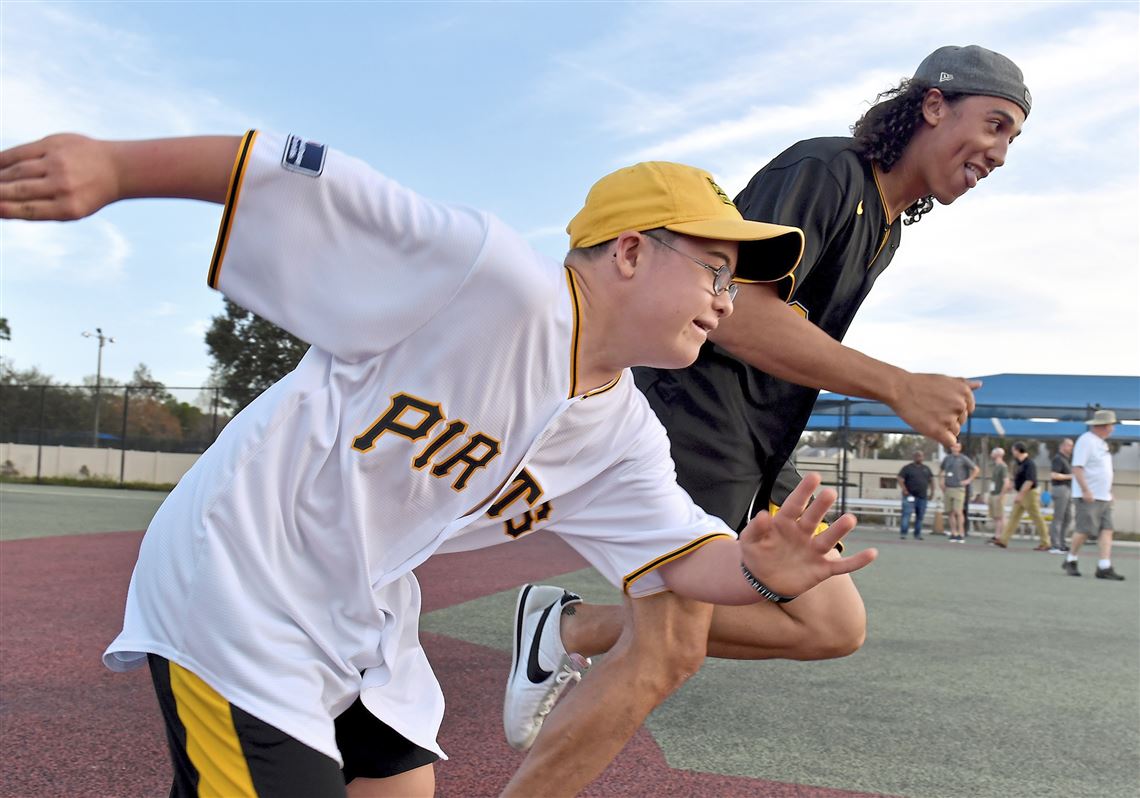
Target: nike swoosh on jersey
pixel 534 671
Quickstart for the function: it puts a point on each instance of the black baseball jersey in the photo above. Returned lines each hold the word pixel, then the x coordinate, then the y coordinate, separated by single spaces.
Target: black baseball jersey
pixel 732 426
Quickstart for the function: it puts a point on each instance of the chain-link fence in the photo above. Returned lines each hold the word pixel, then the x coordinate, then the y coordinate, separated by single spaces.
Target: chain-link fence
pixel 85 423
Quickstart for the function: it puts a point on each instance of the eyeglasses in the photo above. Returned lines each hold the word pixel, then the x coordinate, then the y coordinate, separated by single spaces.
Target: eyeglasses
pixel 722 275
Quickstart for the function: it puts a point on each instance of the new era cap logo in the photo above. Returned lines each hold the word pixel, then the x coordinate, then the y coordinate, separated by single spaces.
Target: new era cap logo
pixel 719 191
pixel 945 76
pixel 304 157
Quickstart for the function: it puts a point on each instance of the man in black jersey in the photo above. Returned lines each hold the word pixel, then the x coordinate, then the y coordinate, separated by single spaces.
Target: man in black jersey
pixel 735 416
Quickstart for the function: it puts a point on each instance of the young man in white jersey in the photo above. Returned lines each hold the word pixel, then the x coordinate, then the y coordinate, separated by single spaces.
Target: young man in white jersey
pixel 273 597
pixel 1092 490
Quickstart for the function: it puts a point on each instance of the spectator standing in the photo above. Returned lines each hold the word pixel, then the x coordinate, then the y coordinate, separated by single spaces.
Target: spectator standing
pixel 958 471
pixel 1027 501
pixel 915 481
pixel 1061 478
pixel 1092 480
pixel 999 486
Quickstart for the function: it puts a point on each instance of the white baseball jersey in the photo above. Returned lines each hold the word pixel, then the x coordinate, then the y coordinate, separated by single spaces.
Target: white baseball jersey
pixel 437 406
pixel 1091 453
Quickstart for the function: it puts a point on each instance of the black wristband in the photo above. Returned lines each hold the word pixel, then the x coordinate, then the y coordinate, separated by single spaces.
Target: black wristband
pixel 762 588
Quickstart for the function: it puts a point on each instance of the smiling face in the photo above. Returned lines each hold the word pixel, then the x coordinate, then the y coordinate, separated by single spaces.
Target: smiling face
pixel 964 141
pixel 676 305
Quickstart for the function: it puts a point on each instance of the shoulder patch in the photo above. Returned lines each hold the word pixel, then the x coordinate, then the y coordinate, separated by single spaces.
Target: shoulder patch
pixel 304 157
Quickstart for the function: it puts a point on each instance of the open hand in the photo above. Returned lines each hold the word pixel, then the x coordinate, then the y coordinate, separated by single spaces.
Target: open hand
pixel 61 177
pixel 783 552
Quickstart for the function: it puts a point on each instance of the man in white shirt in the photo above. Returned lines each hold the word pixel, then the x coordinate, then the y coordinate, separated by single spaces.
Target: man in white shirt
pixel 1092 487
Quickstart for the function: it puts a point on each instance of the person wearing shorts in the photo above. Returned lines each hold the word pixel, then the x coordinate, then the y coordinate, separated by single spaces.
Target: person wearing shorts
pixel 999 486
pixel 957 471
pixel 1092 491
pixel 274 597
pixel 735 417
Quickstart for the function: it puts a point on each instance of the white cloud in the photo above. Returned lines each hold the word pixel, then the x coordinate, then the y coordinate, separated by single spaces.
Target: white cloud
pixel 95 251
pixel 65 70
pixel 197 328
pixel 1013 283
pixel 163 309
pixel 547 231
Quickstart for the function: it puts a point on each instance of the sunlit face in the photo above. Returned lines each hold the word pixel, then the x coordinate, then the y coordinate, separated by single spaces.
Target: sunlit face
pixel 956 448
pixel 680 306
pixel 966 141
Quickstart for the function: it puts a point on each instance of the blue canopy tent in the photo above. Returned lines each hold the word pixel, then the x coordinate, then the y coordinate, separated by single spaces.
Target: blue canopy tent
pixel 1032 406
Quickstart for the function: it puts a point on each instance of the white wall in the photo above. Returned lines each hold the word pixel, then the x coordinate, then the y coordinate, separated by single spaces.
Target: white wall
pixel 68 461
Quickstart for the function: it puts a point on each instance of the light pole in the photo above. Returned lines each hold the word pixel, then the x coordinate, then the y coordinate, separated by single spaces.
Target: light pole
pixel 103 340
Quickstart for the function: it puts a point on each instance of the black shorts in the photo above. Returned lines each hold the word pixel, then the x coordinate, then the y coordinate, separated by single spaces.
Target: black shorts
pixel 718 460
pixel 218 748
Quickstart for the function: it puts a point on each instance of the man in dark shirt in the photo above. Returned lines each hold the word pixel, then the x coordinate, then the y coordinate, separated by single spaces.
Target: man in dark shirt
pixel 1027 500
pixel 1061 486
pixel 914 479
pixel 735 416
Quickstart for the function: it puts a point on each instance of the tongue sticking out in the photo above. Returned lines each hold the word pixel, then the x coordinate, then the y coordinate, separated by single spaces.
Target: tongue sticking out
pixel 971 177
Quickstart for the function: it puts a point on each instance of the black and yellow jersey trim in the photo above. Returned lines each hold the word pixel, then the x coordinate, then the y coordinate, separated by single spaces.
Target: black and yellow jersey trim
pixel 572 285
pixel 232 195
pixel 575 337
pixel 688 548
pixel 886 216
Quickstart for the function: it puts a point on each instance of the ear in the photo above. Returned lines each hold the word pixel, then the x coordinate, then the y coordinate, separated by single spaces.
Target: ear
pixel 629 250
pixel 934 107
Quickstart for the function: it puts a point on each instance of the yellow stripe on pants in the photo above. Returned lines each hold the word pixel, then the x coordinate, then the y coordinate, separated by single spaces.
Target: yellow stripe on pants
pixel 211 740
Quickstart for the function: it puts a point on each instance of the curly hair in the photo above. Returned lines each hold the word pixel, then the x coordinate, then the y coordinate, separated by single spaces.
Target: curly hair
pixel 885 130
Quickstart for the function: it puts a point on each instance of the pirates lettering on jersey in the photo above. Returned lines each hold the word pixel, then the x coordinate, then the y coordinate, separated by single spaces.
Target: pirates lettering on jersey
pixel 414 418
pixel 525 487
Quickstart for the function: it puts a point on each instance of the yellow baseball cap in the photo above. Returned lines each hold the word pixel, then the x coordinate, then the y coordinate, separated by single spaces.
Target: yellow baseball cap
pixel 688 201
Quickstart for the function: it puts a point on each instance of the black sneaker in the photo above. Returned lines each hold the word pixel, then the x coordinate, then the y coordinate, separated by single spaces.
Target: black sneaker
pixel 1108 573
pixel 1070 567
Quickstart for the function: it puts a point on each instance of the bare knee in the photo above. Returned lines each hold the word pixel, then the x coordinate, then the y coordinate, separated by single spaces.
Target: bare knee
pixel 835 634
pixel 670 648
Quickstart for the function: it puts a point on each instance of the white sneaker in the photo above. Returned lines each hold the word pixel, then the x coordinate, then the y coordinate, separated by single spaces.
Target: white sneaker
pixel 541 670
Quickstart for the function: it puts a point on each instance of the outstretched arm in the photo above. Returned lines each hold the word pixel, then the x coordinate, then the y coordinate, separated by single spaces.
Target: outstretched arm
pixel 67 176
pixel 781 551
pixel 769 335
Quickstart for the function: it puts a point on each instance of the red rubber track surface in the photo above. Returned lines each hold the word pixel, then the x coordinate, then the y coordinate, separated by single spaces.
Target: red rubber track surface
pixel 69 727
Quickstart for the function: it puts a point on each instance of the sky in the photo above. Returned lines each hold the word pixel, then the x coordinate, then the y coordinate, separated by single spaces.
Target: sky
pixel 517 108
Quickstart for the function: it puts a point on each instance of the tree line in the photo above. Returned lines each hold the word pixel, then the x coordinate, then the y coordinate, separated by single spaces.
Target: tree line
pixel 248 355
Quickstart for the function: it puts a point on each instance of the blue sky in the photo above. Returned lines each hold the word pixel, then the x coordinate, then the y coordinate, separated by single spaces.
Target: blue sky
pixel 518 107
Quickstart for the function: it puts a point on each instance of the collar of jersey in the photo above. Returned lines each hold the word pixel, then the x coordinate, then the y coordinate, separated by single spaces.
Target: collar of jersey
pixel 575 310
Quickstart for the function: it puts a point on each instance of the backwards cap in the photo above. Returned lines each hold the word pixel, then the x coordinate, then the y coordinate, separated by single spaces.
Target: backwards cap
pixel 975 70
pixel 688 201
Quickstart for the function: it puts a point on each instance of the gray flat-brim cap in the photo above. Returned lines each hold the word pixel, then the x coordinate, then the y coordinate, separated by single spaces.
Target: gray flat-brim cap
pixel 975 70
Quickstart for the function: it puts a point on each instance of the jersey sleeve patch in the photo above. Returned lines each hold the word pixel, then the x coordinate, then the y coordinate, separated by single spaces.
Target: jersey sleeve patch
pixel 303 157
